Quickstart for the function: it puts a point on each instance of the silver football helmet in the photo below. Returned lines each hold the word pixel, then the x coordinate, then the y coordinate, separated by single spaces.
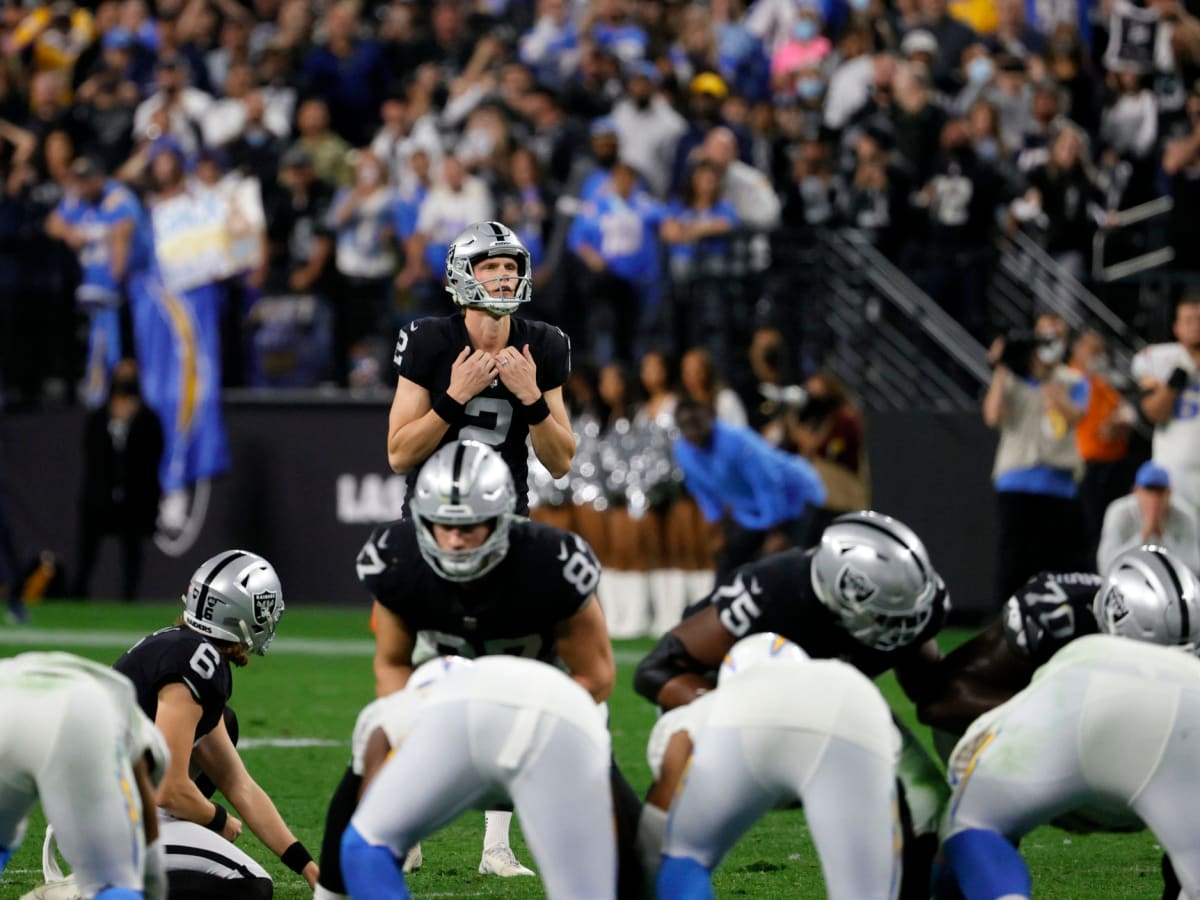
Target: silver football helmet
pixel 235 596
pixel 1149 595
pixel 478 242
pixel 464 483
pixel 875 574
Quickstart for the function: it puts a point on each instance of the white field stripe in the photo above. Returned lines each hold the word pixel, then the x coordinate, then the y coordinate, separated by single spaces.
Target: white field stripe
pixel 65 638
pixel 286 743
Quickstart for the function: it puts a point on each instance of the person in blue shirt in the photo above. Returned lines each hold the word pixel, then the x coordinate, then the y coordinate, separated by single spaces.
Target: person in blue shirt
pixel 761 494
pixel 616 238
pixel 351 75
pixel 97 220
pixel 695 221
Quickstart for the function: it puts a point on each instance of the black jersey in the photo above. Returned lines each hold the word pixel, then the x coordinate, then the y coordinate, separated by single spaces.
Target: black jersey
pixel 180 655
pixel 776 594
pixel 1049 611
pixel 546 577
pixel 425 353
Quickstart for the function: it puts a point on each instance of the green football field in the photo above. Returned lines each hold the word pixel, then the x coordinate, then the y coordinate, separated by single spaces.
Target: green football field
pixel 297 707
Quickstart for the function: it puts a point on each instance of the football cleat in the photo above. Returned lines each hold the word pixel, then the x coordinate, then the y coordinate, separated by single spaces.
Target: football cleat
pixel 413 859
pixel 66 889
pixel 500 860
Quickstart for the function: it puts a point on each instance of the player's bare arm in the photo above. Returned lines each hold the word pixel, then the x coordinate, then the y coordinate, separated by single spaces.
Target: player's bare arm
pixel 583 645
pixel 918 674
pixel 1158 400
pixel 218 758
pixel 141 778
pixel 553 440
pixel 972 679
pixel 378 752
pixel 414 428
pixel 393 651
pixel 674 764
pixel 673 674
pixel 177 716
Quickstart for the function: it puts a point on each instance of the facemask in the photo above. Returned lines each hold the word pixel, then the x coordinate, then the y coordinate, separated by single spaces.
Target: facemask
pixel 1052 353
pixel 980 70
pixel 805 30
pixel 809 88
pixel 987 148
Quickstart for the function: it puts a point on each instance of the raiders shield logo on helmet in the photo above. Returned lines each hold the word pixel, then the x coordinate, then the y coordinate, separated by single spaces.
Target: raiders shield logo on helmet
pixel 855 586
pixel 264 607
pixel 1117 608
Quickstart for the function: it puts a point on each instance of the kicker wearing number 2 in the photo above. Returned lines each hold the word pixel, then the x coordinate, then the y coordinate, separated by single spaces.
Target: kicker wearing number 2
pixel 483 375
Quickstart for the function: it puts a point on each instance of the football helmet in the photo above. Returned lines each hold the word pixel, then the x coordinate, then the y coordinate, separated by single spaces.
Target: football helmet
pixel 755 650
pixel 235 596
pixel 875 574
pixel 1149 595
pixel 481 241
pixel 462 484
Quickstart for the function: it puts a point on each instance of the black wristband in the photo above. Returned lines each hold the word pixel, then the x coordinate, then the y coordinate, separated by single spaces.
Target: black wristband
pixel 1179 379
pixel 296 858
pixel 537 411
pixel 450 410
pixel 220 817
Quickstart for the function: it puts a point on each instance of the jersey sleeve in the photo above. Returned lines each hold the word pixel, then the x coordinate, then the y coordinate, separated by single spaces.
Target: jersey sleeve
pixel 577 575
pixel 1048 612
pixel 377 564
pixel 555 364
pixel 741 604
pixel 411 357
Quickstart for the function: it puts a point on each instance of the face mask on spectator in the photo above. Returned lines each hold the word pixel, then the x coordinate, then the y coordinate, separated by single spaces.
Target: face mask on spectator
pixel 809 88
pixel 1052 353
pixel 980 70
pixel 987 148
pixel 805 30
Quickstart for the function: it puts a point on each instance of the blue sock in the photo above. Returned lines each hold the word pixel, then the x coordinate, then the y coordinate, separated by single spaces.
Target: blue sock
pixel 986 866
pixel 370 872
pixel 680 878
pixel 119 894
pixel 5 855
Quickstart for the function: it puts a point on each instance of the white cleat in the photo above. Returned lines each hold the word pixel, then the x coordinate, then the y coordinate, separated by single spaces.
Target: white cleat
pixel 66 889
pixel 500 860
pixel 413 859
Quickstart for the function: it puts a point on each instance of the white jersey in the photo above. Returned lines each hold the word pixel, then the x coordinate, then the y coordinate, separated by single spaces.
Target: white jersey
pixel 394 714
pixel 826 696
pixel 523 684
pixel 1176 441
pixel 51 673
pixel 690 718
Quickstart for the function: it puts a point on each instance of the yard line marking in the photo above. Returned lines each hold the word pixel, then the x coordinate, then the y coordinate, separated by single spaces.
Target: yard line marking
pixel 286 743
pixel 66 637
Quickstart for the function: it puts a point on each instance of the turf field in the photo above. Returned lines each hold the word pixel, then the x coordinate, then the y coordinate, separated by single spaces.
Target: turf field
pixel 318 675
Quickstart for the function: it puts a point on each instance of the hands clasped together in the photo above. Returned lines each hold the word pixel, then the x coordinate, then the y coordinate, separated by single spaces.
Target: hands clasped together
pixel 473 371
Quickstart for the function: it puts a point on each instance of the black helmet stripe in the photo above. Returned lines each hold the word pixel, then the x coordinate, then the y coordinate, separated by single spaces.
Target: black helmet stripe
pixel 456 473
pixel 212 575
pixel 497 229
pixel 1185 622
pixel 895 537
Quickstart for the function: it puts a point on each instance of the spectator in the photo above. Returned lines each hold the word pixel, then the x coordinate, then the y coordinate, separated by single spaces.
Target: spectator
pixel 952 37
pixel 1102 434
pixel 97 221
pixel 411 190
pixel 1035 402
pixel 811 196
pixel 917 121
pixel 648 127
pixel 526 207
pixel 617 242
pixel 698 376
pixel 183 107
pixel 449 207
pixel 1129 127
pixel 402 135
pixel 52 37
pixel 330 153
pixel 123 445
pixel 696 220
pixel 551 44
pixel 706 93
pixel 610 25
pixel 851 81
pixel 1013 35
pixel 361 220
pixel 1181 165
pixel 555 140
pixel 589 176
pixel 242 113
pixel 876 199
pixel 760 494
pixel 1169 377
pixel 105 103
pixel 765 397
pixel 747 190
pixel 803 50
pixel 301 242
pixel 596 84
pixel 349 74
pixel 1150 515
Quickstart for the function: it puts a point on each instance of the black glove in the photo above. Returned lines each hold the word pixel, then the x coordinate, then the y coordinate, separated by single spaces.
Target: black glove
pixel 1179 379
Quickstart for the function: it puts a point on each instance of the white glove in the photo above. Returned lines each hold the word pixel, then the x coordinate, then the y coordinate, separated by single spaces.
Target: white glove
pixel 154 875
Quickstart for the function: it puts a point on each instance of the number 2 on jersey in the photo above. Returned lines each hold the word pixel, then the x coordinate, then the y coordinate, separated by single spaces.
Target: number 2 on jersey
pixel 490 418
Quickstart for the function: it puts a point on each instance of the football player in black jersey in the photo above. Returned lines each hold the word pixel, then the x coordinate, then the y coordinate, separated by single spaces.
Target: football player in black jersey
pixel 482 374
pixel 463 576
pixel 868 595
pixel 183 679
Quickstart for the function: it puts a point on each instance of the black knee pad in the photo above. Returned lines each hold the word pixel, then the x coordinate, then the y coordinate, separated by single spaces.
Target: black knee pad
pixel 341 811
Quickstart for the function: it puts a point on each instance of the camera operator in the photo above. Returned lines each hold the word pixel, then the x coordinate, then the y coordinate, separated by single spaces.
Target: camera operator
pixel 1035 402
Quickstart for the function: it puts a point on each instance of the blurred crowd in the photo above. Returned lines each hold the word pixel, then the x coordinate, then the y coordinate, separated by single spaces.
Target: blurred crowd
pixel 623 139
